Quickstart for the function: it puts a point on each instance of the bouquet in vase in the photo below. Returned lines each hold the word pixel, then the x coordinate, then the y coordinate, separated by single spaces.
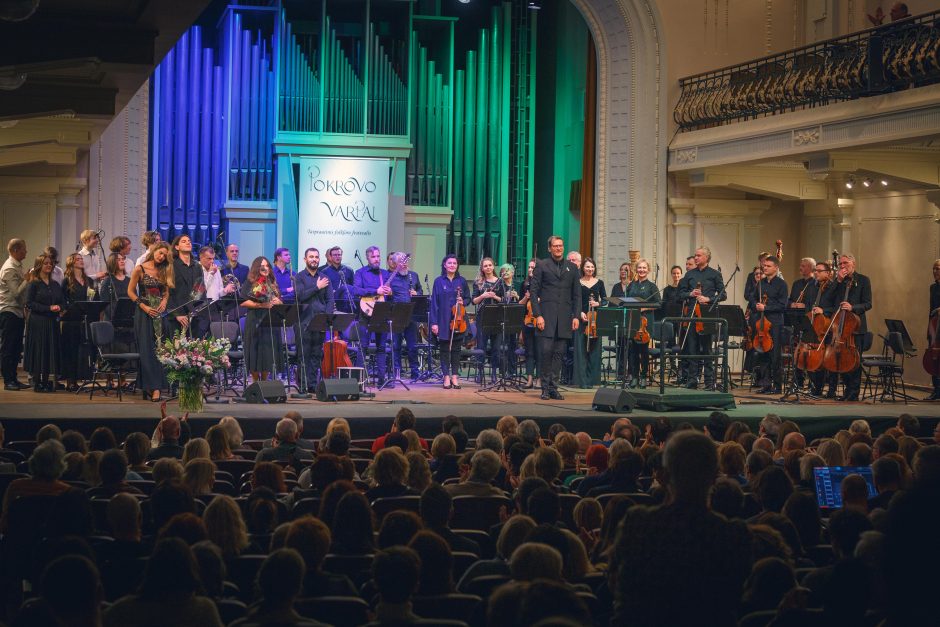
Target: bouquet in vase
pixel 189 361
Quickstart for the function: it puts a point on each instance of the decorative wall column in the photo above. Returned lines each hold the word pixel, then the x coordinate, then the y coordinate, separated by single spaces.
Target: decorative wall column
pixel 683 225
pixel 425 237
pixel 842 230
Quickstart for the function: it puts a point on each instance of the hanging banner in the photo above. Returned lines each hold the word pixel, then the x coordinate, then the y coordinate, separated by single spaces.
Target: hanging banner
pixel 343 202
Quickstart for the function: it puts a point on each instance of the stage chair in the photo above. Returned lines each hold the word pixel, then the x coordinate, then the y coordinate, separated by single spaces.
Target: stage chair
pixel 473 358
pixel 890 371
pixel 231 331
pixel 102 336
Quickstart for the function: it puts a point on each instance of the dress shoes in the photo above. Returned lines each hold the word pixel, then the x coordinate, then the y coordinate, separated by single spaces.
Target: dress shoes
pixel 935 396
pixel 15 386
pixel 692 385
pixel 556 396
pixel 849 397
pixel 545 396
pixel 634 382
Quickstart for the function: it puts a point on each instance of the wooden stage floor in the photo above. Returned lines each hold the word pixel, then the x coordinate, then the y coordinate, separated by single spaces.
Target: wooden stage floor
pixel 22 412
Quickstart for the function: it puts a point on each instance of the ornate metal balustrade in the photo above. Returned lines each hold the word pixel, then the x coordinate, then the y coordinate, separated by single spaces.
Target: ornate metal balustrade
pixel 888 58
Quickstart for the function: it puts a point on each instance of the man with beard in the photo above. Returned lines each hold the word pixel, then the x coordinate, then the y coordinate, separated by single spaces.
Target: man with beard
pixel 314 295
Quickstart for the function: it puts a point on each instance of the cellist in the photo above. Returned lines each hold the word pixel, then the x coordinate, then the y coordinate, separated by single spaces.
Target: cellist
pixel 858 301
pixel 704 286
pixel 934 311
pixel 768 303
pixel 812 296
pixel 798 294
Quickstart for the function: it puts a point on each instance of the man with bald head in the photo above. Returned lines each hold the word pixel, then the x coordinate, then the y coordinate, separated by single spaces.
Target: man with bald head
pixel 284 446
pixel 172 434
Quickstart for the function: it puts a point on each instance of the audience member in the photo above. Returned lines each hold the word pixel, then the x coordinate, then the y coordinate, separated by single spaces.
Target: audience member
pixel 404 420
pixel 46 465
pixel 396 572
pixel 168 438
pixel 311 538
pixel 436 509
pixel 284 447
pixel 484 466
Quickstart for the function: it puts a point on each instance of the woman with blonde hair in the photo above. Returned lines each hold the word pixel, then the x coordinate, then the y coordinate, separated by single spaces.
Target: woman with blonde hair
pixel 225 526
pixel 199 476
pixel 419 472
pixel 488 289
pixel 233 430
pixel 217 439
pixel 197 448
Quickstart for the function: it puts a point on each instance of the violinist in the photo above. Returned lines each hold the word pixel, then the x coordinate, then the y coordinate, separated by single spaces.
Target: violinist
pixel 768 304
pixel 798 299
pixel 856 300
pixel 702 285
pixel 619 288
pixel 528 331
pixel 449 290
pixel 487 290
pixel 314 294
pixel 671 291
pixel 405 283
pixel 643 289
pixel 587 351
pixel 935 311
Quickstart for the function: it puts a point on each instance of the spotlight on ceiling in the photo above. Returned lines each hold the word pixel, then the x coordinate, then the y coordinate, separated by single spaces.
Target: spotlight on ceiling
pixel 884 183
pixel 535 5
pixel 849 184
pixel 464 1
pixel 867 182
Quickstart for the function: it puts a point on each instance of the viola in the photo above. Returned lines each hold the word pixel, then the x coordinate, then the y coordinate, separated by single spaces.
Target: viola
pixel 931 359
pixel 841 354
pixel 458 316
pixel 529 319
pixel 335 356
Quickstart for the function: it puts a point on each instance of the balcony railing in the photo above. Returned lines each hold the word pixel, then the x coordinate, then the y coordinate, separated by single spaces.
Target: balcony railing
pixel 888 58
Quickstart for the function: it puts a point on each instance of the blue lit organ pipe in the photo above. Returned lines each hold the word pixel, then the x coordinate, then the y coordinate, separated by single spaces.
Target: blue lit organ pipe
pixel 191 197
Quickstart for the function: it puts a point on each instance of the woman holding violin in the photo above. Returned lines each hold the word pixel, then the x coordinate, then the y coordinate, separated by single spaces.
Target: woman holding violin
pixel 639 354
pixel 448 317
pixel 768 303
pixel 488 290
pixel 619 288
pixel 587 345
pixel 851 294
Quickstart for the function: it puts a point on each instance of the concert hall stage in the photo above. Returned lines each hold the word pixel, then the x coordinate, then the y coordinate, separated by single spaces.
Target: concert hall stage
pixel 22 413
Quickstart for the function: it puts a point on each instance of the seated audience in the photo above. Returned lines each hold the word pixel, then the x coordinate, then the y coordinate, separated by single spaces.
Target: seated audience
pixel 484 467
pixel 46 465
pixel 396 572
pixel 404 420
pixel 284 446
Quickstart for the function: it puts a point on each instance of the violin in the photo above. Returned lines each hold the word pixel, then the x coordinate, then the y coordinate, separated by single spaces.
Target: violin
pixel 458 318
pixel 529 319
pixel 841 354
pixel 642 334
pixel 697 312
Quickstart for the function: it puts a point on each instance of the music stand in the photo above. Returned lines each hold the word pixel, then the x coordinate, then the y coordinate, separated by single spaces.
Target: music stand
pixel 615 322
pixel 802 332
pixel 422 313
pixel 897 326
pixel 281 316
pixel 390 318
pixel 123 313
pixel 83 311
pixel 505 318
pixel 324 323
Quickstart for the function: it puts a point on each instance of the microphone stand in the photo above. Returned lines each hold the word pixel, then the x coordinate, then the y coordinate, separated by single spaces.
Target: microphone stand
pixel 358 339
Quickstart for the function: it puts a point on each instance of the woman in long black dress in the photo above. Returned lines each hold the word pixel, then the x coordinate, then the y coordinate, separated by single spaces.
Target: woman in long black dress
pixel 449 289
pixel 487 290
pixel 619 289
pixel 587 356
pixel 113 288
pixel 149 288
pixel 262 343
pixel 45 300
pixel 76 347
pixel 528 329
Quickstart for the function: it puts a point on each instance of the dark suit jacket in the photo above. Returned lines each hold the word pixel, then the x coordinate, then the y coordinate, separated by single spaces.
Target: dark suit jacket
pixel 556 296
pixel 312 299
pixel 859 296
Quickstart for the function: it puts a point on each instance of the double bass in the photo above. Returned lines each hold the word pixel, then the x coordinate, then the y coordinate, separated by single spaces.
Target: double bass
pixel 841 353
pixel 931 359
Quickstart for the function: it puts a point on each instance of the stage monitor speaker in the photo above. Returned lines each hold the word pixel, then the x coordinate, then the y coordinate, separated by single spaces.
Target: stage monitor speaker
pixel 613 400
pixel 338 390
pixel 266 392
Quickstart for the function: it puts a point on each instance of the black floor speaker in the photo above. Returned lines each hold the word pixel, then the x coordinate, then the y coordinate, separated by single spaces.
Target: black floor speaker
pixel 613 400
pixel 338 390
pixel 266 392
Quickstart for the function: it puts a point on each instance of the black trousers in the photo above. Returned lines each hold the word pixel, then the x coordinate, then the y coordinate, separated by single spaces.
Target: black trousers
pixel 410 335
pixel 531 353
pixel 699 344
pixel 769 362
pixel 11 344
pixel 450 356
pixel 313 358
pixel 551 353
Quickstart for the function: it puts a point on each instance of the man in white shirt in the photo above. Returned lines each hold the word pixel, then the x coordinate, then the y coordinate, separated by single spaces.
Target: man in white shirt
pixel 57 274
pixel 12 322
pixel 94 263
pixel 212 279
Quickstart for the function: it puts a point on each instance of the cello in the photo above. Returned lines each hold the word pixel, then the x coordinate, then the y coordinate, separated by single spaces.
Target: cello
pixel 335 356
pixel 809 355
pixel 931 359
pixel 841 354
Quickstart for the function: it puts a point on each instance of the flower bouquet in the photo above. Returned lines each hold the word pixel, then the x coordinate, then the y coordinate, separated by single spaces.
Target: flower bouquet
pixel 189 361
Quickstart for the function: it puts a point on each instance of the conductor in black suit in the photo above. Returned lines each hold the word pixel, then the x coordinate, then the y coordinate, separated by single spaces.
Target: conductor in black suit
pixel 556 305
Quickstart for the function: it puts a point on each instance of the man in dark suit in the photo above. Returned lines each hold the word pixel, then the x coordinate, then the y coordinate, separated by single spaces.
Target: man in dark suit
pixel 556 302
pixel 315 295
pixel 852 292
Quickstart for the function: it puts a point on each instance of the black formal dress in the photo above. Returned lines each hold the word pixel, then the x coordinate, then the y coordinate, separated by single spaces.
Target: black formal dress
pixel 262 342
pixel 587 357
pixel 76 341
pixel 934 304
pixel 43 335
pixel 528 337
pixel 187 280
pixel 639 351
pixel 556 297
pixel 487 340
pixel 148 331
